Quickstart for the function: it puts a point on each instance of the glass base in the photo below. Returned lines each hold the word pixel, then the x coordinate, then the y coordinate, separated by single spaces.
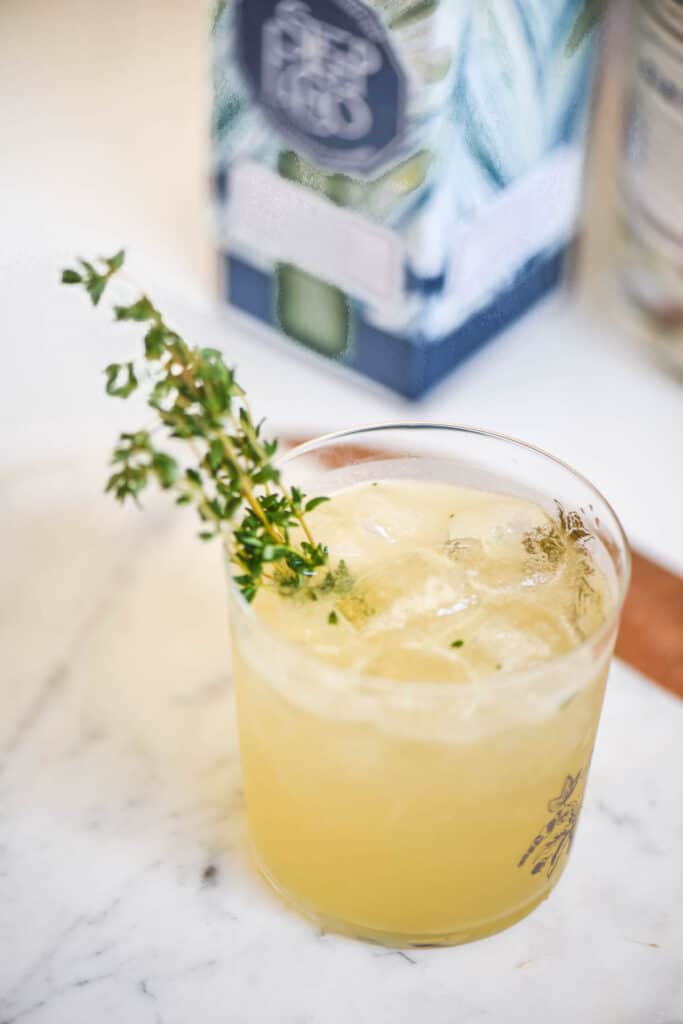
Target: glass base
pixel 400 940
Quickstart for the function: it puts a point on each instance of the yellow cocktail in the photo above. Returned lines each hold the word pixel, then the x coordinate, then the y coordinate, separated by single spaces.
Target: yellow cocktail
pixel 416 736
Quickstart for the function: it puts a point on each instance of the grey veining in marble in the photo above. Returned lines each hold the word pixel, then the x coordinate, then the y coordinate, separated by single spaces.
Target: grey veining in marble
pixel 126 891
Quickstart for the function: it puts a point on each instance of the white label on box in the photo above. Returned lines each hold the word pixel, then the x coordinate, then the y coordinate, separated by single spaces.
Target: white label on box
pixel 535 214
pixel 288 223
pixel 526 218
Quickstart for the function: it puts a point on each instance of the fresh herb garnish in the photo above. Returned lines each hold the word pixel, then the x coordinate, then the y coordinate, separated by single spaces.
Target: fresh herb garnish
pixel 232 481
pixel 457 643
pixel 333 618
pixel 355 607
pixel 564 538
pixel 551 543
pixel 338 580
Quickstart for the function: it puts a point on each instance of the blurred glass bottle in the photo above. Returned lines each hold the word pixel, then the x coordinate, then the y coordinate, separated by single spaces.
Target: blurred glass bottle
pixel 649 258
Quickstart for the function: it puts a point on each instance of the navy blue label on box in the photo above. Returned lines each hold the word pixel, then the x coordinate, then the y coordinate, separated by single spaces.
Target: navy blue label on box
pixel 325 74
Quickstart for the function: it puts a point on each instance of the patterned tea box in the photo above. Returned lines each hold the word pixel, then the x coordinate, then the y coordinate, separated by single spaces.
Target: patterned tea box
pixel 396 180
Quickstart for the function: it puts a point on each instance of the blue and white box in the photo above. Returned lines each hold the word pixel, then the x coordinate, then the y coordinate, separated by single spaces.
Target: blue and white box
pixel 397 180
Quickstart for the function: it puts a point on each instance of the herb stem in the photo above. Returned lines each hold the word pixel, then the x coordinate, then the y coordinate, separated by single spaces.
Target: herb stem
pixel 232 481
pixel 299 516
pixel 249 496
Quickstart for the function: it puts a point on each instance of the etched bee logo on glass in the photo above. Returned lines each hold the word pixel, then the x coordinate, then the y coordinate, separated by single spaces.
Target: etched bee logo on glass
pixel 554 840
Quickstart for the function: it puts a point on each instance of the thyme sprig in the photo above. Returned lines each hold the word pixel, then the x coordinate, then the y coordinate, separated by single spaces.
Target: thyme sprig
pixel 566 537
pixel 232 480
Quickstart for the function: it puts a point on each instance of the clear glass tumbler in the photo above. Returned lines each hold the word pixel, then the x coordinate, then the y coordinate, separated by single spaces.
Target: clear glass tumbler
pixel 421 812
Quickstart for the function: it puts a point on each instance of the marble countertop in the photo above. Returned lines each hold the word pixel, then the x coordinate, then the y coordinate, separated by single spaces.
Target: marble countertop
pixel 126 889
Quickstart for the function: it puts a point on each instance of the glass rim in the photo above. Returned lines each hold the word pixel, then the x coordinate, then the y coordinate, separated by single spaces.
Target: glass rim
pixel 498 680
